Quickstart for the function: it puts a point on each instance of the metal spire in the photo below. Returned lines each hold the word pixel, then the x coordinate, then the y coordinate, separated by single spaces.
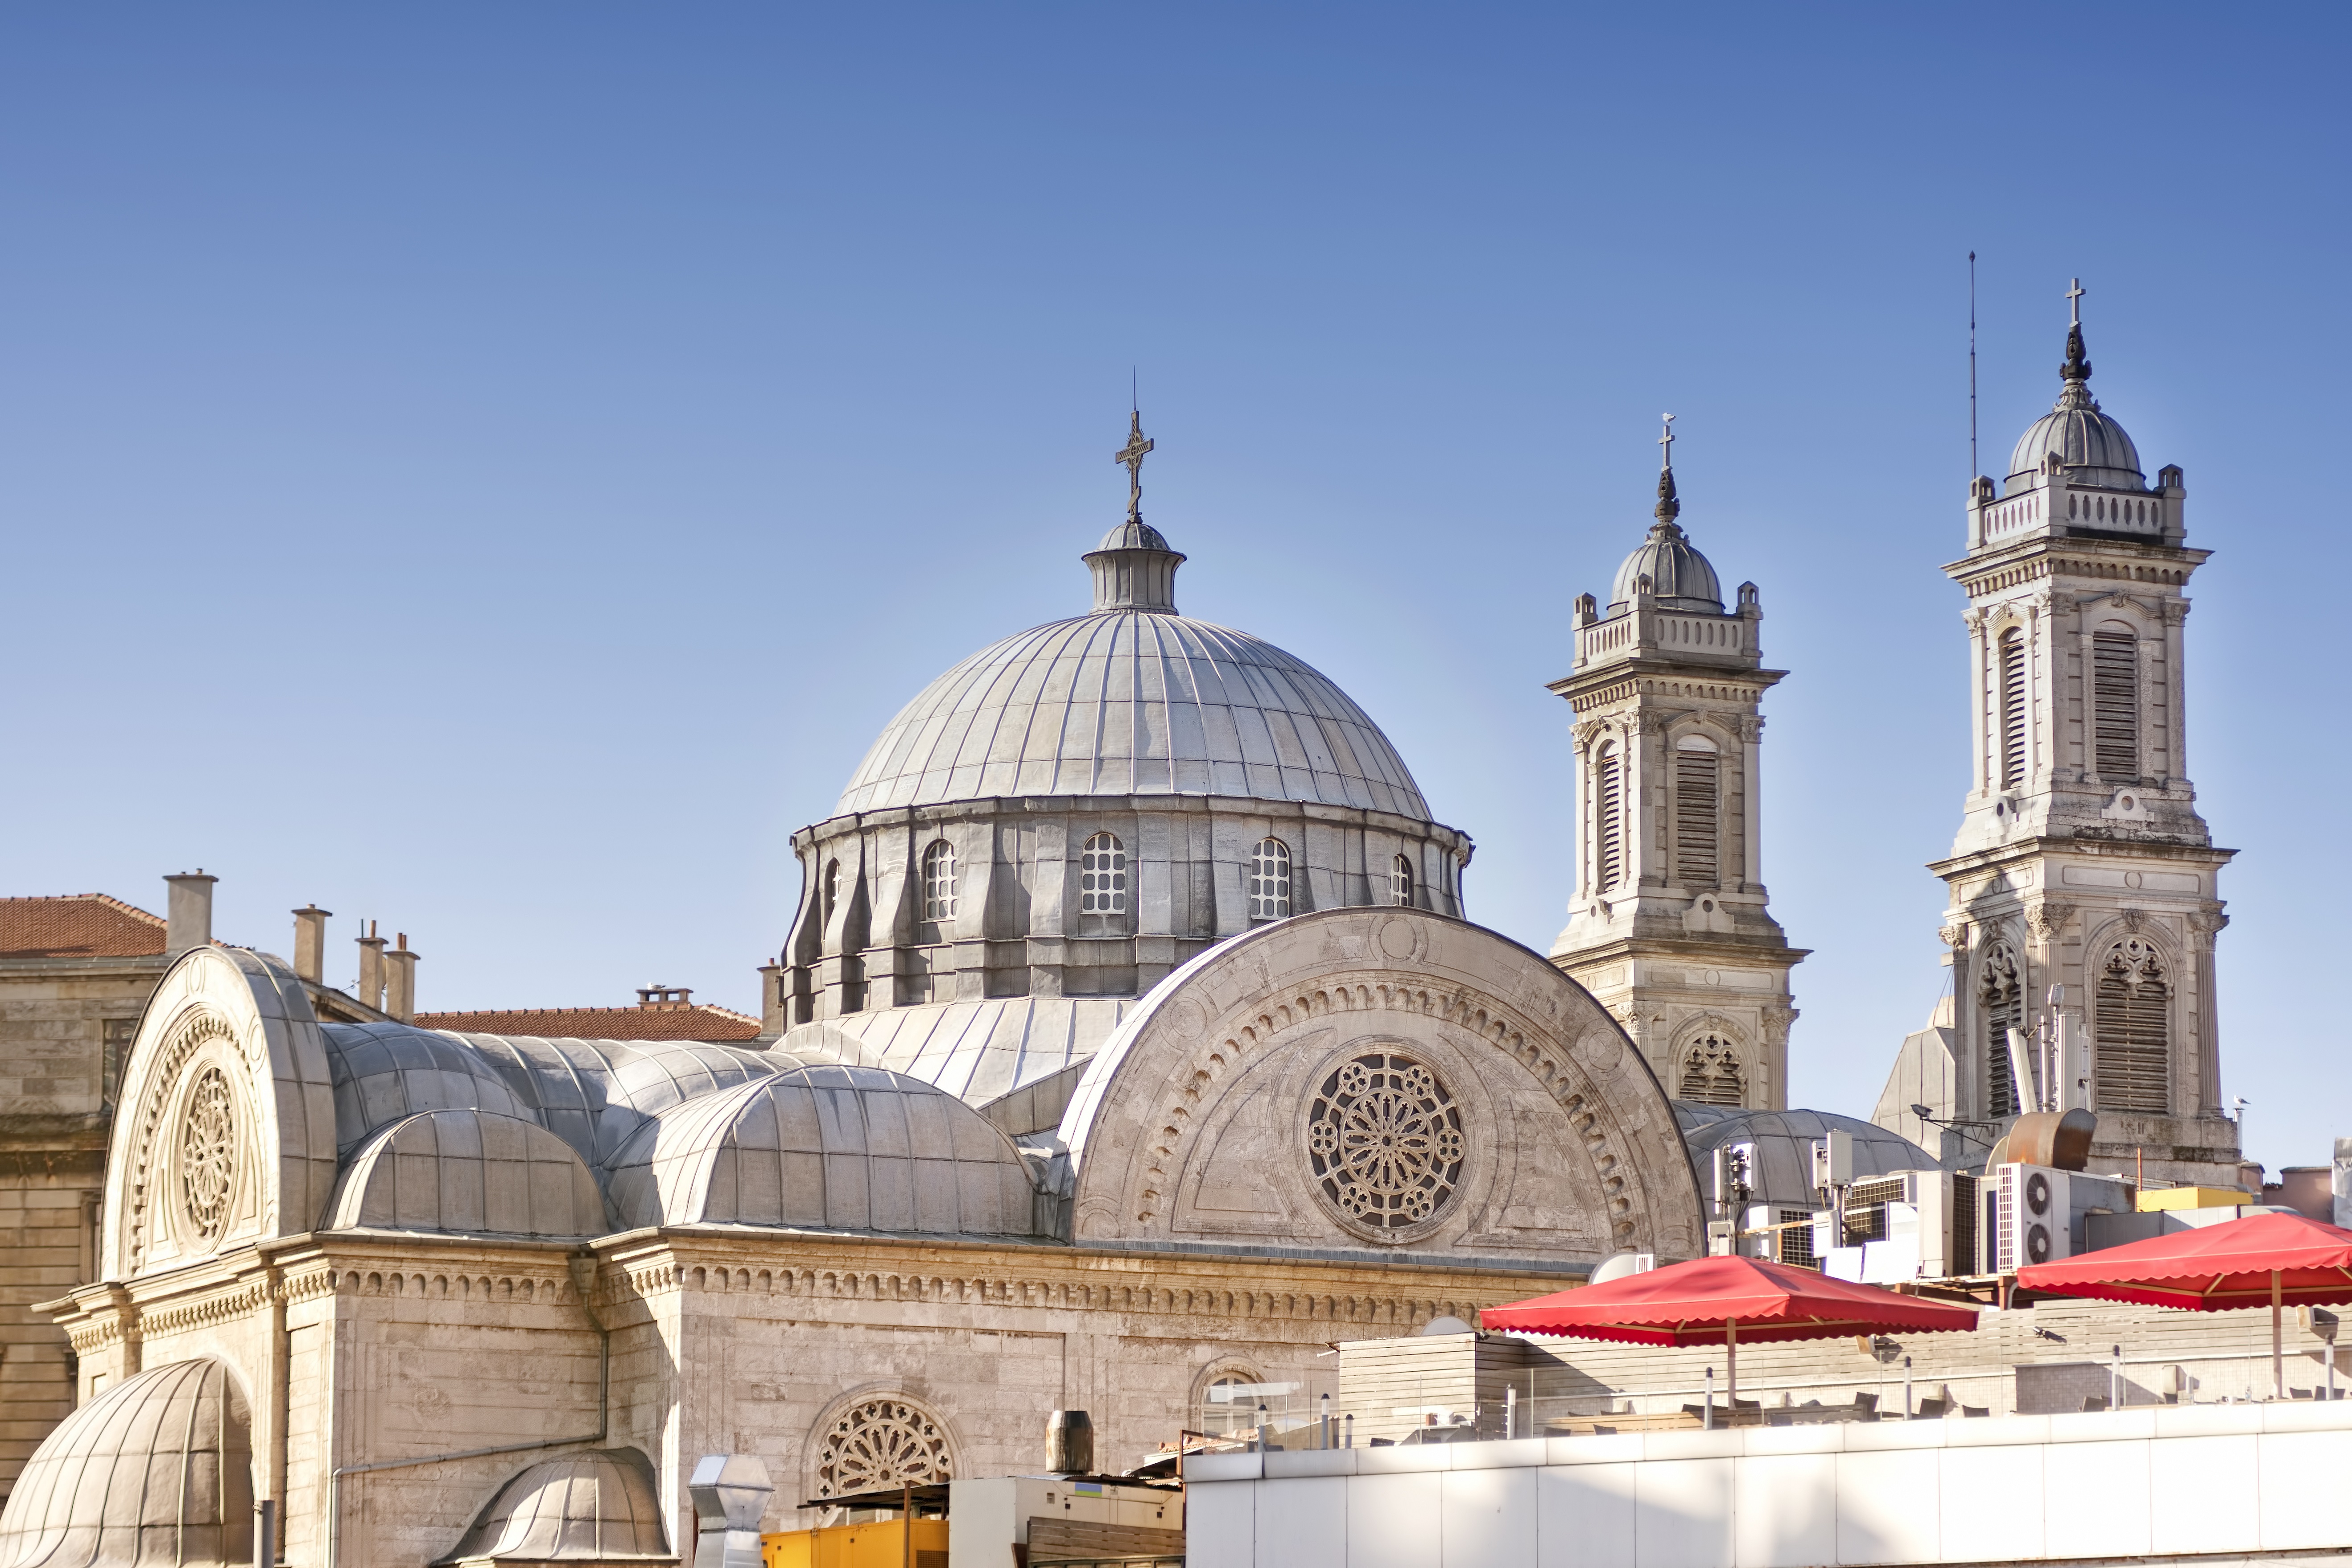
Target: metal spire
pixel 1132 456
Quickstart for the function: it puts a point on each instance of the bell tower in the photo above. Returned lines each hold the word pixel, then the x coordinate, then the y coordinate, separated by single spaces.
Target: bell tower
pixel 1669 927
pixel 2083 901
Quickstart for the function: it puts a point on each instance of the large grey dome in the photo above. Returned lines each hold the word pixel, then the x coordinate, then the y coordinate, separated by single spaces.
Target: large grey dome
pixel 1133 701
pixel 2089 443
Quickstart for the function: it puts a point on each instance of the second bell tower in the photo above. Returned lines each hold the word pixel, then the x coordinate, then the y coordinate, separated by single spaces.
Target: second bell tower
pixel 1669 927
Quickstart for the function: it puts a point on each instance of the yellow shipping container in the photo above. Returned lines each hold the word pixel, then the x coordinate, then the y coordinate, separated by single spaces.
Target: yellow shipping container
pixel 881 1545
pixel 2152 1199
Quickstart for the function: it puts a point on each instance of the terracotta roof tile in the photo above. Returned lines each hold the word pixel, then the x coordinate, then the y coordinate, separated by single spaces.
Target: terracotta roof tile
pixel 698 1022
pixel 78 925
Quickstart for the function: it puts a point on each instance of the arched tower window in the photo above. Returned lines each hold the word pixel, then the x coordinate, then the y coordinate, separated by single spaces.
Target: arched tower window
pixel 1400 882
pixel 2114 703
pixel 1698 814
pixel 2132 1030
pixel 1269 882
pixel 832 889
pixel 1102 876
pixel 1608 819
pixel 1710 1072
pixel 940 881
pixel 1999 999
pixel 2011 708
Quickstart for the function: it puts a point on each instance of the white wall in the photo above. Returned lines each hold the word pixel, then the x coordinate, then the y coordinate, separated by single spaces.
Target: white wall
pixel 2243 1479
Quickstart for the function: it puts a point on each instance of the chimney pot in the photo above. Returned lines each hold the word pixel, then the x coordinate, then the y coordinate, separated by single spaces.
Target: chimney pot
pixel 372 968
pixel 400 975
pixel 188 920
pixel 310 944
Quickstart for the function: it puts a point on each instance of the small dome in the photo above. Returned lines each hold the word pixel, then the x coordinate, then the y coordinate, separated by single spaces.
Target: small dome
pixel 468 1173
pixel 827 1148
pixel 1680 577
pixel 1784 1147
pixel 2092 445
pixel 1134 534
pixel 385 1072
pixel 597 1507
pixel 156 1472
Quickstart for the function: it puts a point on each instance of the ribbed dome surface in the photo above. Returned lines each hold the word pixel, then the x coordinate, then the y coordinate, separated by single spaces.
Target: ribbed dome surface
pixel 2085 439
pixel 156 1472
pixel 1130 701
pixel 602 1506
pixel 1680 577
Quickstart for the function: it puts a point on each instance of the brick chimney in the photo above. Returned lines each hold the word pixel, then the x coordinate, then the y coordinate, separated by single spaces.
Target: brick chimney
pixel 665 998
pixel 189 918
pixel 372 969
pixel 401 982
pixel 310 944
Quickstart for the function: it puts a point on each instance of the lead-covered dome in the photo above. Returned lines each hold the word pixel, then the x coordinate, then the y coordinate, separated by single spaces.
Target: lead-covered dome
pixel 1133 699
pixel 2094 449
pixel 1680 578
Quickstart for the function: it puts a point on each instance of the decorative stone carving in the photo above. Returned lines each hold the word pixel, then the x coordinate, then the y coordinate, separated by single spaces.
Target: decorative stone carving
pixel 2048 918
pixel 1385 1143
pixel 208 1139
pixel 881 1443
pixel 1955 935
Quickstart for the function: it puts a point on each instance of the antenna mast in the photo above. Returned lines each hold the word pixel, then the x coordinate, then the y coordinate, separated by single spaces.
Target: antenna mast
pixel 1973 468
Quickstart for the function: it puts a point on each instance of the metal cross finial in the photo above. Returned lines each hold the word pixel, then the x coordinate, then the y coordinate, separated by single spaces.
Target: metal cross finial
pixel 1668 442
pixel 2075 296
pixel 1132 456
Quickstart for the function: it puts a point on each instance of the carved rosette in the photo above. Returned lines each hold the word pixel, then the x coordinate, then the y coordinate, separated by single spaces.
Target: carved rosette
pixel 878 1442
pixel 1385 1146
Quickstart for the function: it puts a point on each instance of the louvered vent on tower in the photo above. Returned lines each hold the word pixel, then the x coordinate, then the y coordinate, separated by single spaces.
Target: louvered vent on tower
pixel 2115 692
pixel 2012 710
pixel 1697 820
pixel 2133 1053
pixel 1608 813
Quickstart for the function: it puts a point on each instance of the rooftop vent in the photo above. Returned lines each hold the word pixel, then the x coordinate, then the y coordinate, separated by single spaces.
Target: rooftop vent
pixel 665 998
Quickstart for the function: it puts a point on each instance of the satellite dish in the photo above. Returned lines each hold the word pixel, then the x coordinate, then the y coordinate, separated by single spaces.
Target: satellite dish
pixel 1621 1265
pixel 1446 1326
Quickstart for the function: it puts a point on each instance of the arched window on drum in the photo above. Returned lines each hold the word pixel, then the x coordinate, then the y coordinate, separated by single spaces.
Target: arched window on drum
pixel 939 890
pixel 1102 885
pixel 1400 888
pixel 1269 880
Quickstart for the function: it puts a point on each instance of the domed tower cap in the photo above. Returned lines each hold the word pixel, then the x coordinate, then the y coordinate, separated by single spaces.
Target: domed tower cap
pixel 2076 437
pixel 1667 566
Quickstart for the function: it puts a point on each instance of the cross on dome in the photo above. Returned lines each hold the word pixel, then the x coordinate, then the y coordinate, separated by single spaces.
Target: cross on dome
pixel 2074 297
pixel 1668 442
pixel 1132 455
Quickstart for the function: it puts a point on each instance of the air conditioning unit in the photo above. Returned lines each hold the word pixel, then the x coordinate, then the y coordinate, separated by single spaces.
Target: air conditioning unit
pixel 2032 1214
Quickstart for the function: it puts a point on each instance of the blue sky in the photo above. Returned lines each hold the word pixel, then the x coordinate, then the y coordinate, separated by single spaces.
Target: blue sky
pixel 493 469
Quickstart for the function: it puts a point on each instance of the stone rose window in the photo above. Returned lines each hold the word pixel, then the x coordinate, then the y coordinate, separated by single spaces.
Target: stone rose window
pixel 881 1443
pixel 208 1153
pixel 1385 1143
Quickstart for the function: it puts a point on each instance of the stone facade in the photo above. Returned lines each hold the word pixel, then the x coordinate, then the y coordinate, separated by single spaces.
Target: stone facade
pixel 1670 928
pixel 1347 1122
pixel 2083 884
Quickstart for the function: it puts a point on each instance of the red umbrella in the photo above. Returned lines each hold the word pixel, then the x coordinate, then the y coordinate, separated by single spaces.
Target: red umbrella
pixel 2264 1259
pixel 1730 1299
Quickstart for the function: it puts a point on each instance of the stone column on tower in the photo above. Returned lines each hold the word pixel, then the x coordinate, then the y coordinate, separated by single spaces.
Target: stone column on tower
pixel 2083 882
pixel 1669 927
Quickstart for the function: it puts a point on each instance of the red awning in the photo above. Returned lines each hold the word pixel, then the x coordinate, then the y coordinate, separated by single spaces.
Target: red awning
pixel 2211 1267
pixel 1698 1302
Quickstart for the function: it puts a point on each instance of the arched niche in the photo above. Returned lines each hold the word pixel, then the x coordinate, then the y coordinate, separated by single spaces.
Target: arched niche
pixel 1246 1100
pixel 226 1132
